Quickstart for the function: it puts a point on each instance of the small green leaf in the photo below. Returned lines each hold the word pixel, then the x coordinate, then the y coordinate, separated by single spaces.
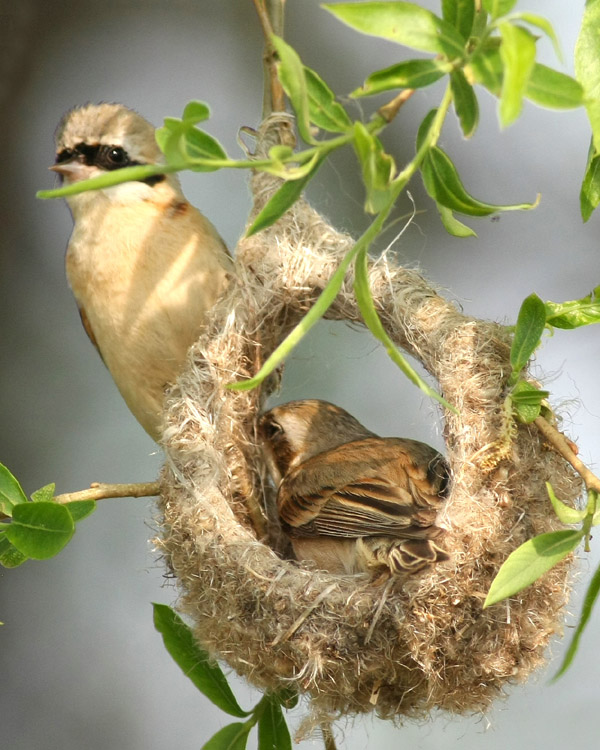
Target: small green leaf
pixel 378 168
pixel 589 197
pixel 527 401
pixel 530 561
pixel 540 23
pixel 288 698
pixel 576 313
pixel 497 8
pixel 565 513
pixel 465 103
pixel 586 611
pixel 324 111
pixel 452 225
pixel 401 22
pixel 113 177
pixel 528 332
pixel 486 68
pixel 518 56
pixel 273 732
pixel 460 14
pixel 80 509
pixel 596 500
pixel 443 184
pixel 231 737
pixel 44 494
pixel 40 530
pixel 587 66
pixel 11 493
pixel 281 200
pixel 412 74
pixel 198 147
pixel 196 111
pixel 553 90
pixel 10 557
pixel 194 661
pixel 293 79
pixel 424 128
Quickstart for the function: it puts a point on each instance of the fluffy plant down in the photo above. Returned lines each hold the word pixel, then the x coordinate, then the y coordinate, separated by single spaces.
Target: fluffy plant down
pixel 351 643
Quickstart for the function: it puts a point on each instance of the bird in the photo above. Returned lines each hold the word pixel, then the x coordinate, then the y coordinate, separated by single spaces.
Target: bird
pixel 351 501
pixel 144 265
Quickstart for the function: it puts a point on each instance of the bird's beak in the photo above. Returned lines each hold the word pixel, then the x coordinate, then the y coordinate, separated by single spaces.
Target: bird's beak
pixel 72 170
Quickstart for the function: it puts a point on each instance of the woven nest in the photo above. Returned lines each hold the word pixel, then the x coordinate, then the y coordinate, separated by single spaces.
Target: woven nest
pixel 351 644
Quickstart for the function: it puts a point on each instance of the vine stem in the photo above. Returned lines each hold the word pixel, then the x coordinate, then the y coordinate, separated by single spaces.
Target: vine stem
pixel 558 441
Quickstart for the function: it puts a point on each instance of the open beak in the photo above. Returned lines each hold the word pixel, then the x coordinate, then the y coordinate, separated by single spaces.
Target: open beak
pixel 72 170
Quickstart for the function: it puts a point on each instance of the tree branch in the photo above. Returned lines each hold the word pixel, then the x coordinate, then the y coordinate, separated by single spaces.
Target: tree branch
pixel 99 491
pixel 558 441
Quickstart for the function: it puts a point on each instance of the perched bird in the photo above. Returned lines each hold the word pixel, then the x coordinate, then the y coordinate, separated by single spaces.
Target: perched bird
pixel 349 500
pixel 144 265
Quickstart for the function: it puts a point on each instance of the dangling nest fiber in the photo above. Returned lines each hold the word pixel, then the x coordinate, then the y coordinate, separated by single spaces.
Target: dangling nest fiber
pixel 349 643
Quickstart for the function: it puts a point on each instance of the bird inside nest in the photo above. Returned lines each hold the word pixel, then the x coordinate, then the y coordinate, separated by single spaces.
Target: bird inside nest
pixel 349 500
pixel 144 265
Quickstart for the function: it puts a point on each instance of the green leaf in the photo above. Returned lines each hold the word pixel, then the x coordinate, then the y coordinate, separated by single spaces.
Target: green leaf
pixel 565 513
pixel 452 225
pixel 198 147
pixel 114 177
pixel 273 732
pixel 518 56
pixel 80 509
pixel 374 324
pixel 486 68
pixel 465 103
pixel 589 197
pixel 412 74
pixel 40 530
pixel 404 23
pixel 460 14
pixel 540 23
pixel 44 494
pixel 424 128
pixel 443 184
pixel 587 66
pixel 528 331
pixel 497 8
pixel 324 111
pixel 530 561
pixel 281 200
pixel 196 111
pixel 527 401
pixel 231 737
pixel 10 557
pixel 552 89
pixel 194 661
pixel 11 493
pixel 293 79
pixel 378 168
pixel 576 313
pixel 586 612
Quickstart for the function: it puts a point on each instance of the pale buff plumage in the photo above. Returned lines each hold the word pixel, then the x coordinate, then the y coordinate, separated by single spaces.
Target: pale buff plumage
pixel 144 265
pixel 350 500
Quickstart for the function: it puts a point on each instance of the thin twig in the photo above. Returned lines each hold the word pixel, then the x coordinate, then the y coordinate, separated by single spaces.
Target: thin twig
pixel 558 441
pixel 390 110
pixel 270 15
pixel 99 491
pixel 328 738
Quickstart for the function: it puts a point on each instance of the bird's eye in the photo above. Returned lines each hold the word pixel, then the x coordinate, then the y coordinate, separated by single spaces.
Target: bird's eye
pixel 112 157
pixel 271 430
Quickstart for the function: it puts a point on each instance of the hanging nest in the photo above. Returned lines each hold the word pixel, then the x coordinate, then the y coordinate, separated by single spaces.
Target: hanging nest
pixel 351 644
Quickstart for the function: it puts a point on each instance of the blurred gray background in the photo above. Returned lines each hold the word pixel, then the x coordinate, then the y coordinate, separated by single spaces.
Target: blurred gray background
pixel 80 662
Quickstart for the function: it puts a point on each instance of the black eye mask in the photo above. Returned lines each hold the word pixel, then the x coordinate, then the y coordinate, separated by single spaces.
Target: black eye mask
pixel 103 157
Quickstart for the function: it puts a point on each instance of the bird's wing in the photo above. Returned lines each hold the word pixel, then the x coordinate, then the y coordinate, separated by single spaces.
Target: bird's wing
pixel 365 488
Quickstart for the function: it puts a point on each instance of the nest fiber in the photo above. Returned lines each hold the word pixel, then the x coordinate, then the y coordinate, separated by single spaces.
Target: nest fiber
pixel 350 643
